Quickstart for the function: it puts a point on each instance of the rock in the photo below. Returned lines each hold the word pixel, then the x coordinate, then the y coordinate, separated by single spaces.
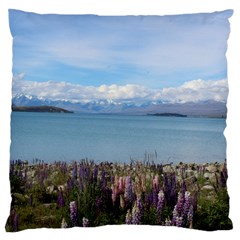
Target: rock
pixel 167 169
pixel 50 189
pixel 211 168
pixel 196 174
pixel 189 173
pixel 208 175
pixel 62 187
pixel 207 187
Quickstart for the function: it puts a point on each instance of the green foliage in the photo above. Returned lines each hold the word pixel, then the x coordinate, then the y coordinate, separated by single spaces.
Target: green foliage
pixel 201 180
pixel 17 184
pixel 213 215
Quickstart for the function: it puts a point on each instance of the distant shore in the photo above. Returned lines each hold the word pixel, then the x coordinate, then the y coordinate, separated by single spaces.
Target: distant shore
pixel 39 109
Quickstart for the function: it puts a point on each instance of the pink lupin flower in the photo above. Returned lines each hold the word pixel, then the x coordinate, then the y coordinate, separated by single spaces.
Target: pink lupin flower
pixel 116 181
pixel 114 193
pixel 121 185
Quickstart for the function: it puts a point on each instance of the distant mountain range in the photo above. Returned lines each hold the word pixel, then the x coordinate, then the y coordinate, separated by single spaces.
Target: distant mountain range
pixel 204 108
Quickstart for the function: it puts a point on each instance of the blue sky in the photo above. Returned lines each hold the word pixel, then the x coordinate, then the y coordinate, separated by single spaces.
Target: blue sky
pixel 152 52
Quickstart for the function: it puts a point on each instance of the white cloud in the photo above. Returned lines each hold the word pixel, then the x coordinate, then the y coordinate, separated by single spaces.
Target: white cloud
pixel 191 91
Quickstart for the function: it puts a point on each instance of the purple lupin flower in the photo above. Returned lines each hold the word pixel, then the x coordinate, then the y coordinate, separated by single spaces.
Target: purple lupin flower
pixel 85 222
pixel 15 221
pixel 128 189
pixel 186 207
pixel 149 200
pixel 187 203
pixel 175 215
pixel 160 205
pixel 60 200
pixel 137 211
pixel 128 219
pixel 178 209
pixel 95 173
pixel 190 216
pixel 74 213
pixel 155 197
pixel 179 221
pixel 74 171
pixel 103 179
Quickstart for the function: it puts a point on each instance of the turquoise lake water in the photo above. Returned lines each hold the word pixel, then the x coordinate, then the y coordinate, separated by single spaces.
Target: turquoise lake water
pixel 117 138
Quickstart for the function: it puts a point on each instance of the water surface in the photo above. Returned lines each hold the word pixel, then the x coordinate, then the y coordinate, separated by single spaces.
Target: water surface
pixel 117 138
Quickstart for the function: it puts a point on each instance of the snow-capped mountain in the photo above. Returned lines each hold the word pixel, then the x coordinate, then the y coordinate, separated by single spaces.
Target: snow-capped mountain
pixel 206 108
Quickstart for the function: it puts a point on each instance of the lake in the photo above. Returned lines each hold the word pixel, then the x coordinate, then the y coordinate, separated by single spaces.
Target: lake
pixel 117 138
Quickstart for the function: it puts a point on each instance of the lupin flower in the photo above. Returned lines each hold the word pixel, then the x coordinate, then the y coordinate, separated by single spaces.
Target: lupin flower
pixel 114 193
pixel 148 199
pixel 187 203
pixel 178 209
pixel 95 173
pixel 15 220
pixel 85 222
pixel 60 200
pixel 74 213
pixel 179 221
pixel 160 205
pixel 175 215
pixel 121 185
pixel 103 179
pixel 190 216
pixel 137 211
pixel 128 190
pixel 128 219
pixel 64 223
pixel 155 182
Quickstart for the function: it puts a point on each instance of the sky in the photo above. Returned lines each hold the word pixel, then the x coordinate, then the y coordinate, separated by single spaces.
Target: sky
pixel 177 58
